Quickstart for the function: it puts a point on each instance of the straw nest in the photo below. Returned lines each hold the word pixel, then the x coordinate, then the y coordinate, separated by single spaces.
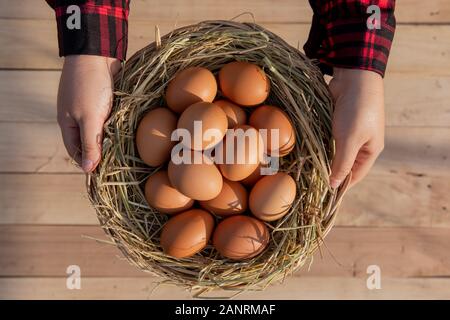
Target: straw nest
pixel 116 187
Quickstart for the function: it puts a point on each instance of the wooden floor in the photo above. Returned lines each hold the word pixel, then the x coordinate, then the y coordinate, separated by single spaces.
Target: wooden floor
pixel 398 218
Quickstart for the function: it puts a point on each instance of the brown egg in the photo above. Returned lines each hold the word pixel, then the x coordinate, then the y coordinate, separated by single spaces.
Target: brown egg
pixel 232 199
pixel 187 233
pixel 270 117
pixel 235 114
pixel 253 177
pixel 240 153
pixel 240 237
pixel 163 197
pixel 211 122
pixel 244 83
pixel 153 136
pixel 198 180
pixel 194 84
pixel 272 196
pixel 262 171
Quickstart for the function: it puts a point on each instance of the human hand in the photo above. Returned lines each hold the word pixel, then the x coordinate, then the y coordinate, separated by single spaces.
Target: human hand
pixel 84 103
pixel 358 123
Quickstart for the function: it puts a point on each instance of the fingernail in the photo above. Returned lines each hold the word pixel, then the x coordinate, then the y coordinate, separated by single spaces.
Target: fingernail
pixel 87 165
pixel 335 183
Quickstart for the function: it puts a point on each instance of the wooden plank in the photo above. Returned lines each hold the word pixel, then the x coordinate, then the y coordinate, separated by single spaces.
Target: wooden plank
pixel 16 34
pixel 28 96
pixel 411 100
pixel 413 46
pixel 417 151
pixel 38 147
pixel 287 11
pixel 33 148
pixel 417 11
pixel 44 199
pixel 417 100
pixel 334 288
pixel 392 200
pixel 48 250
pixel 37 251
pixel 397 200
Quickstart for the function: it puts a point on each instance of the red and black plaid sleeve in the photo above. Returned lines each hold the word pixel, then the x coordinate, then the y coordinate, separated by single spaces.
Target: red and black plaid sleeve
pixel 103 27
pixel 340 37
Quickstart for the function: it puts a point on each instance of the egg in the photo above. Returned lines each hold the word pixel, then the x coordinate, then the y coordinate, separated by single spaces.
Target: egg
pixel 272 196
pixel 240 237
pixel 232 199
pixel 153 136
pixel 163 197
pixel 206 123
pixel 191 85
pixel 240 153
pixel 235 114
pixel 253 177
pixel 244 83
pixel 268 118
pixel 187 233
pixel 198 180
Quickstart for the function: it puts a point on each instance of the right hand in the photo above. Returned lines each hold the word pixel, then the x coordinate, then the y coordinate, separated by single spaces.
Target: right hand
pixel 358 123
pixel 84 103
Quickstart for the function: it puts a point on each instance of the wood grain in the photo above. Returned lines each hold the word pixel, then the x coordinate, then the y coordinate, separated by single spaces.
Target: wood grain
pixel 397 200
pixel 38 147
pixel 400 252
pixel 411 100
pixel 45 199
pixel 417 11
pixel 392 200
pixel 33 148
pixel 28 96
pixel 417 151
pixel 417 100
pixel 298 288
pixel 398 218
pixel 417 49
pixel 286 11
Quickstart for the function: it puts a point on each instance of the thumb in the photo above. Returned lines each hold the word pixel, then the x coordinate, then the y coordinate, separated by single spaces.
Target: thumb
pixel 91 131
pixel 343 161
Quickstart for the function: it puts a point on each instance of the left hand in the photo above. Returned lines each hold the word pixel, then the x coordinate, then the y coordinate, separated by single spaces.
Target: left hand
pixel 358 123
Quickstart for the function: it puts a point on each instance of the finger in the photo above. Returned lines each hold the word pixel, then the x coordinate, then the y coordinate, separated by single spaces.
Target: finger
pixel 364 161
pixel 71 139
pixel 91 135
pixel 343 162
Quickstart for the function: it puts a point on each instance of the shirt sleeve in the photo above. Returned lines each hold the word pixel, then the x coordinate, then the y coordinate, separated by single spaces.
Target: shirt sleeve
pixel 340 35
pixel 92 27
